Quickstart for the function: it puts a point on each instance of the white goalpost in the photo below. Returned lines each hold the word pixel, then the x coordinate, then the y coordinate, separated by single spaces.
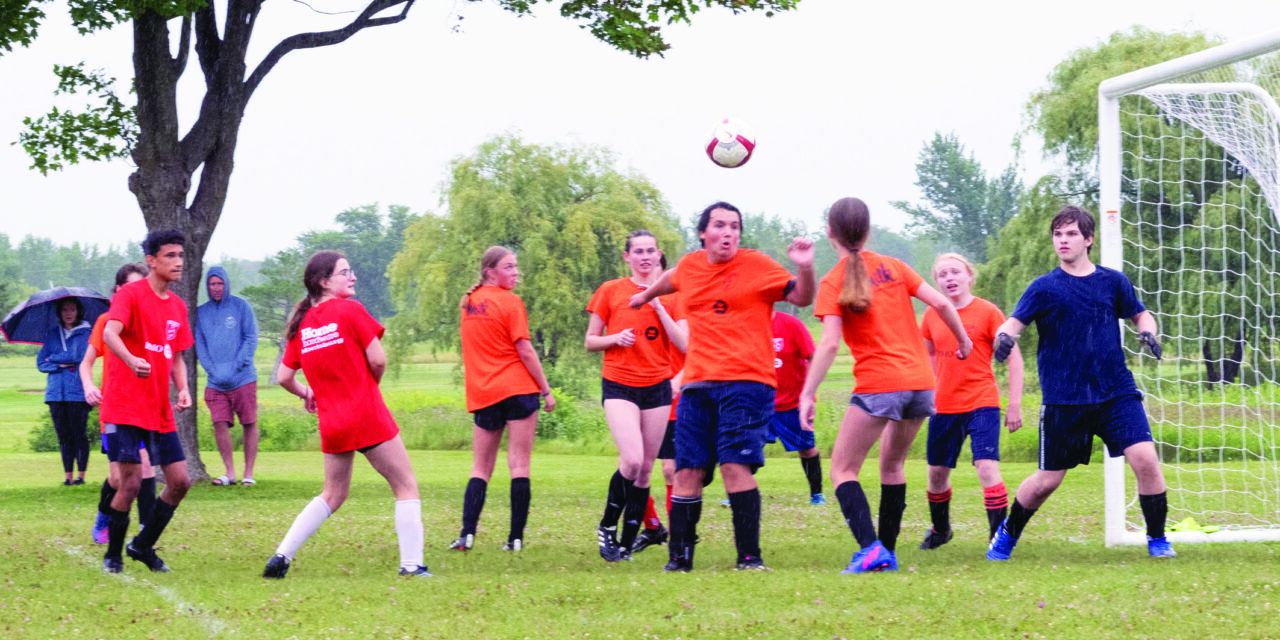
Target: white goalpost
pixel 1189 168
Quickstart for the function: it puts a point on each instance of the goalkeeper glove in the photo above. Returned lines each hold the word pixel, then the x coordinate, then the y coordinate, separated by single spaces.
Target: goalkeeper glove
pixel 1004 344
pixel 1147 339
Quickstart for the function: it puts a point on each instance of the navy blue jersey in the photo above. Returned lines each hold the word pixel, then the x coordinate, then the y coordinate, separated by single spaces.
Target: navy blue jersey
pixel 1079 354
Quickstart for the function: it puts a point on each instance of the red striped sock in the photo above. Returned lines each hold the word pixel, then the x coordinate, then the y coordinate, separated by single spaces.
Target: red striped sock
pixel 939 497
pixel 995 496
pixel 651 520
pixel 669 488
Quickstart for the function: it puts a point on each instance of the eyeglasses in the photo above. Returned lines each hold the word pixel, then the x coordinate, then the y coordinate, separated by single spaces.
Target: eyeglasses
pixel 346 273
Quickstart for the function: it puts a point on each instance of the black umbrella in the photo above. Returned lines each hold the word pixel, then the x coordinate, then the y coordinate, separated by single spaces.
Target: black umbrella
pixel 30 320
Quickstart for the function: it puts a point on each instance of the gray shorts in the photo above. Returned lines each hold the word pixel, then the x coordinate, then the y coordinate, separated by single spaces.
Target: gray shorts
pixel 896 405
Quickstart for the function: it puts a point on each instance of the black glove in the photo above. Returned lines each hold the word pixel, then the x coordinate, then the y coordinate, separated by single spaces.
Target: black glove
pixel 1004 344
pixel 1147 339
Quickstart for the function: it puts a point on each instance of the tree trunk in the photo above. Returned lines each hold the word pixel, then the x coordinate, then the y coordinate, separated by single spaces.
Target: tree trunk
pixel 1231 364
pixel 1210 365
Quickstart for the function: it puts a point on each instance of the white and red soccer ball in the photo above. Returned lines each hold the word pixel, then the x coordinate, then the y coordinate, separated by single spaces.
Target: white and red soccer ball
pixel 731 143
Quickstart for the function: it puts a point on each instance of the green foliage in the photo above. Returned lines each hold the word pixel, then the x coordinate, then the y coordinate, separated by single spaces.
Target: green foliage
pixel 1024 249
pixel 106 129
pixel 570 420
pixel 636 27
pixel 44 437
pixel 44 264
pixel 964 210
pixel 565 211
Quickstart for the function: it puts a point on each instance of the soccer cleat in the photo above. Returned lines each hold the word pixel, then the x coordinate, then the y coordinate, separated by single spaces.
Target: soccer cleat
pixel 1160 548
pixel 609 548
pixel 420 572
pixel 873 558
pixel 933 539
pixel 750 563
pixel 513 545
pixel 1002 544
pixel 683 565
pixel 278 565
pixel 100 533
pixel 649 538
pixel 146 556
pixel 817 500
pixel 112 565
pixel 463 543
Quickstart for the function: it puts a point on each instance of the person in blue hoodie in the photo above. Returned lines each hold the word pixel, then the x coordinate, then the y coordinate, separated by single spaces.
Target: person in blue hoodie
pixel 226 339
pixel 64 346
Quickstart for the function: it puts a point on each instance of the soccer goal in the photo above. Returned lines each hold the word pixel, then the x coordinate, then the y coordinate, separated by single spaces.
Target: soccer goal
pixel 1189 167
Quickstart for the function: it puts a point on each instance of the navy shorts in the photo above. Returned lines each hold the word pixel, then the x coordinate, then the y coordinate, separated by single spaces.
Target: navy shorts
pixel 125 440
pixel 668 449
pixel 895 405
pixel 947 432
pixel 1067 430
pixel 650 397
pixel 785 426
pixel 106 451
pixel 496 416
pixel 723 422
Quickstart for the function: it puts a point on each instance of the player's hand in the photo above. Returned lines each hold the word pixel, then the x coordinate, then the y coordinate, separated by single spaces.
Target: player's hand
pixel 309 401
pixel 1013 417
pixel 638 300
pixel 801 252
pixel 184 400
pixel 808 409
pixel 1003 345
pixel 549 402
pixel 93 395
pixel 964 349
pixel 140 367
pixel 1148 340
pixel 624 338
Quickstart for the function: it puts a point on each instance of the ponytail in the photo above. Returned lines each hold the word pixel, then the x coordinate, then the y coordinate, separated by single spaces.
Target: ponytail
pixel 849 222
pixel 492 256
pixel 295 321
pixel 855 289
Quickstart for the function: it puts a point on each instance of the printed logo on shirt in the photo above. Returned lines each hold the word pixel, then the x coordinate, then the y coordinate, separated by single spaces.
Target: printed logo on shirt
pixel 881 276
pixel 777 345
pixel 230 322
pixel 320 337
pixel 777 363
pixel 720 307
pixel 171 329
pixel 651 333
pixel 481 309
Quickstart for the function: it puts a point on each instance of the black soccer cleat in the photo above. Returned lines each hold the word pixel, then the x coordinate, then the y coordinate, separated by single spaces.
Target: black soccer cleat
pixel 146 556
pixel 649 538
pixel 751 563
pixel 933 539
pixel 277 566
pixel 420 572
pixel 682 565
pixel 609 548
pixel 112 565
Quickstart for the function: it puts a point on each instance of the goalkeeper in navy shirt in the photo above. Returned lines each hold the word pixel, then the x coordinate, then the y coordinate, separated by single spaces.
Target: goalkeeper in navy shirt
pixel 1087 388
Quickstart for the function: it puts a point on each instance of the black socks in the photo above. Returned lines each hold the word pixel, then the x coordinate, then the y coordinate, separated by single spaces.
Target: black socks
pixel 857 513
pixel 746 522
pixel 473 504
pixel 520 496
pixel 893 501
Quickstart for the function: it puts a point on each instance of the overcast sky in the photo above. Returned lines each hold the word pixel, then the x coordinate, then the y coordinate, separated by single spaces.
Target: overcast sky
pixel 842 95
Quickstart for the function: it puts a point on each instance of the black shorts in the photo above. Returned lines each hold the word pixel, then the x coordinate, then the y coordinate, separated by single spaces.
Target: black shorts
pixel 668 449
pixel 650 397
pixel 124 440
pixel 1067 430
pixel 496 416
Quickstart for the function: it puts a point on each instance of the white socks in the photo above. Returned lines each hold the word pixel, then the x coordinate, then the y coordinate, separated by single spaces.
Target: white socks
pixel 409 530
pixel 313 515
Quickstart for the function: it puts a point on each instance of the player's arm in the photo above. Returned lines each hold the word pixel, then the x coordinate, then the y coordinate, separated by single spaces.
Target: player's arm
pixel 1007 338
pixel 801 253
pixel 92 394
pixel 529 357
pixel 598 341
pixel 179 376
pixel 1147 332
pixel 376 356
pixel 288 379
pixel 950 317
pixel 111 337
pixel 933 356
pixel 677 332
pixel 823 355
pixel 660 288
pixel 1013 415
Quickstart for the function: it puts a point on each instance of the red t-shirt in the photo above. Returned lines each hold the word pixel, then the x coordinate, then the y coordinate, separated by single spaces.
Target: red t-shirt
pixel 965 385
pixel 729 306
pixel 330 350
pixel 155 328
pixel 645 363
pixel 491 324
pixel 792 348
pixel 887 349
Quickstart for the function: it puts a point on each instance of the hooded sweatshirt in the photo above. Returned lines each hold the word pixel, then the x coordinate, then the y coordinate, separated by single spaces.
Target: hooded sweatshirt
pixel 226 338
pixel 63 346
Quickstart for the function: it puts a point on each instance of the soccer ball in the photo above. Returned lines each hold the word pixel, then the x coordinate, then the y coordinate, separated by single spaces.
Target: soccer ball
pixel 731 143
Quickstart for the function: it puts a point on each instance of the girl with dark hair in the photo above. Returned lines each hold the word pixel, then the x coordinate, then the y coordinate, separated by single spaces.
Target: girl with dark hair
pixel 504 379
pixel 64 347
pixel 867 298
pixel 337 344
pixel 636 386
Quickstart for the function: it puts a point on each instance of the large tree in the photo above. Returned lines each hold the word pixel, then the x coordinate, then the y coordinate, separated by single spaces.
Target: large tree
pixel 169 155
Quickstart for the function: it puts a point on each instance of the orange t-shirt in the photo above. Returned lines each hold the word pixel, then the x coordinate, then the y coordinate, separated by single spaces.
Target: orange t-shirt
pixel 644 363
pixel 965 385
pixel 729 307
pixel 100 346
pixel 888 352
pixel 491 324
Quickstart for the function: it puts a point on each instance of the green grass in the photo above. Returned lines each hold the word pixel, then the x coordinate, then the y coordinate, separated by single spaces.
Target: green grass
pixel 1062 582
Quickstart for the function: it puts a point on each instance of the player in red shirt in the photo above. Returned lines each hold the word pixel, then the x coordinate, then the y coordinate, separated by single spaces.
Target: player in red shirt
pixel 867 298
pixel 338 346
pixel 635 386
pixel 147 331
pixel 728 394
pixel 792 351
pixel 967 400
pixel 504 379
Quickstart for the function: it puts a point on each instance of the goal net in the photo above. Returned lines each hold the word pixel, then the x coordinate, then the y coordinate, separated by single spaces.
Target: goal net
pixel 1190 169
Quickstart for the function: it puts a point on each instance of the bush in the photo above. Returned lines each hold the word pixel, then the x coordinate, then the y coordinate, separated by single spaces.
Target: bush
pixel 44 437
pixel 571 420
pixel 284 430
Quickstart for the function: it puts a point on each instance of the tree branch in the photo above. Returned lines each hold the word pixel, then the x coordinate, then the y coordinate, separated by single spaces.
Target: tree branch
pixel 313 40
pixel 184 47
pixel 208 45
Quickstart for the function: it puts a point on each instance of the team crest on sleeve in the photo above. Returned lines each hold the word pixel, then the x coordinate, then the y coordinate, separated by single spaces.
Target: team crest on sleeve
pixel 171 329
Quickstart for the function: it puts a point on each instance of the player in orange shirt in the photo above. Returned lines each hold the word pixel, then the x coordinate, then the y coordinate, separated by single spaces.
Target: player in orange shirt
pixel 635 386
pixel 503 379
pixel 968 402
pixel 729 380
pixel 867 298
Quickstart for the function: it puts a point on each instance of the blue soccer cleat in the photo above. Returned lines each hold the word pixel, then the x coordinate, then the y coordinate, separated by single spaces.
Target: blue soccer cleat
pixel 1002 544
pixel 817 500
pixel 100 534
pixel 1160 548
pixel 872 558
